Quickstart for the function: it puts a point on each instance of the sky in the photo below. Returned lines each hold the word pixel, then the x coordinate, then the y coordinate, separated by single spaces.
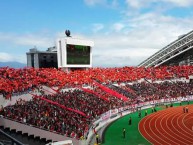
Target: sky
pixel 125 32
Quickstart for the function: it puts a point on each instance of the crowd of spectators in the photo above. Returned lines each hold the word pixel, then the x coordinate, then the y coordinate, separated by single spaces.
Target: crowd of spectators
pixel 85 102
pixel 113 101
pixel 43 114
pixel 167 89
pixel 18 80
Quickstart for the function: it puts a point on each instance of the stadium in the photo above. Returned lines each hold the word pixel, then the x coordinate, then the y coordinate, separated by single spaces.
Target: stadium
pixel 82 105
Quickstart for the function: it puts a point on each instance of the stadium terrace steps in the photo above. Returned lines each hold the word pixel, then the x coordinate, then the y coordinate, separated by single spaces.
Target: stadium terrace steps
pixel 151 84
pixel 124 90
pixel 48 90
pixel 130 90
pixel 30 135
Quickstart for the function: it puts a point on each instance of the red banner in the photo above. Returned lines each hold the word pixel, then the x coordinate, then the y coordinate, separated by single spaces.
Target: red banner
pixel 112 92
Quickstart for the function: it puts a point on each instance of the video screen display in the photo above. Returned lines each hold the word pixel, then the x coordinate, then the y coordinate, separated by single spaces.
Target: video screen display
pixel 78 54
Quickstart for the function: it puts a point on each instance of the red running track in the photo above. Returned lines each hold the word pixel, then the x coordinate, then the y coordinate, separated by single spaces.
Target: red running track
pixel 168 127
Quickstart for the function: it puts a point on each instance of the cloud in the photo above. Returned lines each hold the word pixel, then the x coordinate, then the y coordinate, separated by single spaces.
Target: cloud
pixel 117 27
pixel 106 3
pixel 7 57
pixel 125 42
pixel 134 3
pixel 121 57
pixel 140 38
pixel 16 45
pixel 40 40
pixel 94 2
pixel 139 4
pixel 97 27
pixel 180 3
pixel 31 40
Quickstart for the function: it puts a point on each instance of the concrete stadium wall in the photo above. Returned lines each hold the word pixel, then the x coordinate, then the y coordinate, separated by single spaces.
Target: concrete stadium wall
pixel 2 100
pixel 14 98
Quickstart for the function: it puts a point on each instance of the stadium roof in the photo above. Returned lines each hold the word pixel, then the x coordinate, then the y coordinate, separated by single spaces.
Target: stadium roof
pixel 174 49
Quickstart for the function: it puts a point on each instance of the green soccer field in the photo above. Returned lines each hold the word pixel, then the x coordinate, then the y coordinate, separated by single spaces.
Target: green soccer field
pixel 114 136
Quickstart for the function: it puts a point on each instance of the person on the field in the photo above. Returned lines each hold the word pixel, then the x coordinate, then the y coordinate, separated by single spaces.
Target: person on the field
pixel 124 132
pixel 97 138
pixel 130 121
pixel 139 115
pixel 145 112
pixel 152 110
pixel 186 109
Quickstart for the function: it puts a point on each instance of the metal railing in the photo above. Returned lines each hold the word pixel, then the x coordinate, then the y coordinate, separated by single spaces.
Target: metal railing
pixel 13 140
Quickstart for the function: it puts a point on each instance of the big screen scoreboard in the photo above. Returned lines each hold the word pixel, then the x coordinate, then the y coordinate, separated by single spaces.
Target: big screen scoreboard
pixel 73 52
pixel 78 54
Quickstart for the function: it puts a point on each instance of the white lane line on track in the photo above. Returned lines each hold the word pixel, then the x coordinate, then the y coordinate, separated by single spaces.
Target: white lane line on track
pixel 155 135
pixel 188 129
pixel 165 138
pixel 163 119
pixel 178 134
pixel 142 134
pixel 144 128
pixel 183 129
pixel 176 130
pixel 171 129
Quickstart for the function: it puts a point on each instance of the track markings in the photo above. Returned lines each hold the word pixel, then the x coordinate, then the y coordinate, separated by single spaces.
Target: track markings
pixel 169 126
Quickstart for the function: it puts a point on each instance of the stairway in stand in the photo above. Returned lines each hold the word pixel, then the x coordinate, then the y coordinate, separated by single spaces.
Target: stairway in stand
pixel 23 138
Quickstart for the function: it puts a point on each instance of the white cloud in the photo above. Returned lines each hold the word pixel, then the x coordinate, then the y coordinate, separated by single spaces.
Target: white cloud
pixel 106 3
pixel 27 39
pixel 141 37
pixel 16 45
pixel 180 3
pixel 134 3
pixel 123 43
pixel 31 40
pixel 117 27
pixel 138 4
pixel 121 57
pixel 93 2
pixel 97 27
pixel 7 57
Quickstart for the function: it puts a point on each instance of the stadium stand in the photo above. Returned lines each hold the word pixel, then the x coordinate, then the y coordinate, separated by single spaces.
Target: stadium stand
pixel 70 109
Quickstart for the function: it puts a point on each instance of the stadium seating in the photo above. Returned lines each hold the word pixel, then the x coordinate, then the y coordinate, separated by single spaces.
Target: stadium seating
pixel 72 112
